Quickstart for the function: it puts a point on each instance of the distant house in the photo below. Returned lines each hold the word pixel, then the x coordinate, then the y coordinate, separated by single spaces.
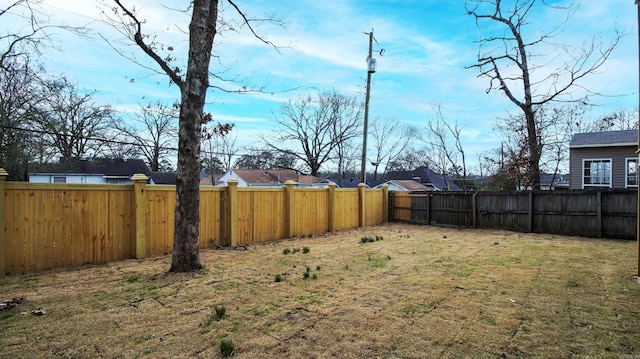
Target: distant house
pixel 604 160
pixel 427 177
pixel 271 178
pixel 95 171
pixel 405 185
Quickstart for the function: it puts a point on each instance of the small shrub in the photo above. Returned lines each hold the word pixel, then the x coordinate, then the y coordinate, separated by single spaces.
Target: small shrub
pixel 221 311
pixel 366 239
pixel 314 276
pixel 286 250
pixel 379 238
pixel 318 267
pixel 278 278
pixel 306 250
pixel 227 348
pixel 296 250
pixel 306 275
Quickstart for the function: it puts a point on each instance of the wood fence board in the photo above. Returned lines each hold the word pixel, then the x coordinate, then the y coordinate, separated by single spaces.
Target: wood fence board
pixel 346 210
pixel 63 225
pixel 611 213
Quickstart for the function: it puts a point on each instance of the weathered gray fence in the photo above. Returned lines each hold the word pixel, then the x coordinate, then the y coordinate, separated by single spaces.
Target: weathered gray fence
pixel 610 213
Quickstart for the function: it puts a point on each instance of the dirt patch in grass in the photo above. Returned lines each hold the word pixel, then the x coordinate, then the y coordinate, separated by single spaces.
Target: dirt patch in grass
pixel 410 292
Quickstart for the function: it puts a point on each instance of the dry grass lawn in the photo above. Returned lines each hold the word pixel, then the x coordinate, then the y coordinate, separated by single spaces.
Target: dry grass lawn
pixel 417 292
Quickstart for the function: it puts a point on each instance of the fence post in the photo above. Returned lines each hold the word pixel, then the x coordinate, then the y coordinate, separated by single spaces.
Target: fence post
pixel 391 209
pixel 530 210
pixel 140 197
pixel 385 203
pixel 288 209
pixel 232 215
pixel 3 238
pixel 474 214
pixel 331 211
pixel 361 204
pixel 599 213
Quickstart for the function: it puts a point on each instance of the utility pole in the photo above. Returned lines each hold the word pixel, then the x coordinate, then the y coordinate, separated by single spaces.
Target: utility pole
pixel 637 2
pixel 371 68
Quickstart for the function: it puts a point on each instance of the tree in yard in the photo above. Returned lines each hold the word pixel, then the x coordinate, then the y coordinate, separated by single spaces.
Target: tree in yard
pixel 217 151
pixel 389 141
pixel 153 131
pixel 20 96
pixel 193 90
pixel 529 79
pixel 264 159
pixel 411 159
pixel 318 126
pixel 73 124
pixel 21 89
pixel 447 158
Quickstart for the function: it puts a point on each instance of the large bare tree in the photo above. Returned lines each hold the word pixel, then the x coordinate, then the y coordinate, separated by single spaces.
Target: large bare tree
pixel 389 140
pixel 153 131
pixel 317 126
pixel 193 83
pixel 514 57
pixel 73 123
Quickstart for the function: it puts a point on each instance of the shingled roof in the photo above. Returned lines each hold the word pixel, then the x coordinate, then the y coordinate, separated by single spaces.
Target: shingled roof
pixel 266 177
pixel 425 176
pixel 608 138
pixel 109 167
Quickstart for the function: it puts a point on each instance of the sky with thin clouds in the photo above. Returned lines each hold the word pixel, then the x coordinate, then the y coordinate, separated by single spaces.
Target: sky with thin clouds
pixel 323 45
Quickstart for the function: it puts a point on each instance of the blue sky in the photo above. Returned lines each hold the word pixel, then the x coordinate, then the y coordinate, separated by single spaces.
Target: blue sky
pixel 427 45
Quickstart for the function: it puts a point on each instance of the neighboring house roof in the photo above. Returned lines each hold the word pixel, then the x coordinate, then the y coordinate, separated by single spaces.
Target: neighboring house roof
pixel 163 177
pixel 108 167
pixel 425 176
pixel 405 185
pixel 604 139
pixel 272 177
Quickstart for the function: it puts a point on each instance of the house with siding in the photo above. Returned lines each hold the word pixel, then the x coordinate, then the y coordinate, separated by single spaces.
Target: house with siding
pixel 96 171
pixel 405 185
pixel 599 160
pixel 425 176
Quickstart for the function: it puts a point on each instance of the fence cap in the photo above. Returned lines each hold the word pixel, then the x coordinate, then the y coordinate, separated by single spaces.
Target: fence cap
pixel 139 177
pixel 3 173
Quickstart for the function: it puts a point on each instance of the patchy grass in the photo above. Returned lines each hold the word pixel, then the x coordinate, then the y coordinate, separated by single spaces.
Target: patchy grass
pixel 422 292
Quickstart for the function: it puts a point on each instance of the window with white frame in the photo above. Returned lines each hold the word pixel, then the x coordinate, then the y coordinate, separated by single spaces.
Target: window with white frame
pixel 596 173
pixel 632 172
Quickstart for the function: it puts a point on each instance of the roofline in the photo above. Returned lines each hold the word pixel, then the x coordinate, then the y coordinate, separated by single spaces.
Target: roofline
pixel 615 144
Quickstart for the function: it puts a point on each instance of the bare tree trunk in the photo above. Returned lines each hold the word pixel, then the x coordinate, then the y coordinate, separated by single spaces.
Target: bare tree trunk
pixel 202 30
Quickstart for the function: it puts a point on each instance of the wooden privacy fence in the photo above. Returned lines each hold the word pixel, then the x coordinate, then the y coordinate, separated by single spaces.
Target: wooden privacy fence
pixel 59 225
pixel 610 213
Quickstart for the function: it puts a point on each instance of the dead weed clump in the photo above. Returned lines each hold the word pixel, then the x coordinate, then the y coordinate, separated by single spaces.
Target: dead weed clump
pixel 421 292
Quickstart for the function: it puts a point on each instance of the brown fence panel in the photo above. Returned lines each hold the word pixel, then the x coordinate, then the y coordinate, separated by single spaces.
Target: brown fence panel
pixel 450 209
pixel 401 205
pixel 619 214
pixel 502 210
pixel 571 213
pixel 610 213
